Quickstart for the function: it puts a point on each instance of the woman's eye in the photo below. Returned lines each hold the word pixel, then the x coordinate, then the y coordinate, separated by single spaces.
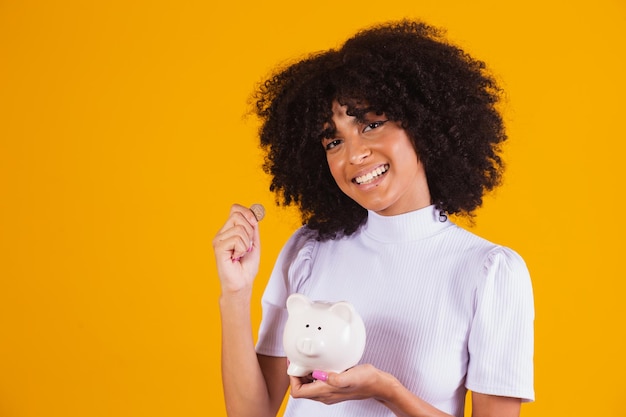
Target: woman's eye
pixel 374 125
pixel 330 144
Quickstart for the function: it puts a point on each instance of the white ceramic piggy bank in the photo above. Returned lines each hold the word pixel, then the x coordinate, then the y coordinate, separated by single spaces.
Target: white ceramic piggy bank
pixel 322 336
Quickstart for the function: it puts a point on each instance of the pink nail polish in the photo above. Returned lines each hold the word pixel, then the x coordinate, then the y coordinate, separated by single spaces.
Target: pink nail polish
pixel 320 375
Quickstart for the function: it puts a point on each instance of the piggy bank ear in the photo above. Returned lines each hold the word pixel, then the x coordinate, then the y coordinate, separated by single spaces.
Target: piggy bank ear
pixel 297 303
pixel 344 310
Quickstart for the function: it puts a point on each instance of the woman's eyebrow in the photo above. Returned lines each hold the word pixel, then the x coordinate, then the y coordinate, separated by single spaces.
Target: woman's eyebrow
pixel 360 114
pixel 328 131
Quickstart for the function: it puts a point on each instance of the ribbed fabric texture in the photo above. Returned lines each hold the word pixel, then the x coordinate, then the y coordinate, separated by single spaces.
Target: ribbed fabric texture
pixel 444 309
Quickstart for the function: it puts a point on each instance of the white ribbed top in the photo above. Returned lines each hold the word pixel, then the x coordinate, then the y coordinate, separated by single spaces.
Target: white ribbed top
pixel 444 309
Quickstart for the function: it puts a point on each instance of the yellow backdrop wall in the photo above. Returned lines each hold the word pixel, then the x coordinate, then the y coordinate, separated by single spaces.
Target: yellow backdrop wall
pixel 123 143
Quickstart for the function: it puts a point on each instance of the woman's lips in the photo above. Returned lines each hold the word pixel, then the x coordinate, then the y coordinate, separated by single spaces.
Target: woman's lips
pixel 372 175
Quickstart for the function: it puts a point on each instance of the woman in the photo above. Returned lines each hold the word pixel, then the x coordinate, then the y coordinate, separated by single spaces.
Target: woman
pixel 377 143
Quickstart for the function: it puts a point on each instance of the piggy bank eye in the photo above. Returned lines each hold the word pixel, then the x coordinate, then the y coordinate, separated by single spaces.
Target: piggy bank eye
pixel 307 326
pixel 319 328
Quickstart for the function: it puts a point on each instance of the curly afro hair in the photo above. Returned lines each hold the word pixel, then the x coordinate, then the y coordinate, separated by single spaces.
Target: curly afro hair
pixel 443 98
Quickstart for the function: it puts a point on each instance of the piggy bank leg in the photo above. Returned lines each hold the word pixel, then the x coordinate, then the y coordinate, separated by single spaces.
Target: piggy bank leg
pixel 297 370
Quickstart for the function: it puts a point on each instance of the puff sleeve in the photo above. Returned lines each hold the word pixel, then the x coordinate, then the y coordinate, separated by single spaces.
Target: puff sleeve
pixel 291 272
pixel 501 340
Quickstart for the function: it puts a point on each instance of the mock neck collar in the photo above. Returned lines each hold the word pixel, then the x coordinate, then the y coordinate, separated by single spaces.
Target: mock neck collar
pixel 414 225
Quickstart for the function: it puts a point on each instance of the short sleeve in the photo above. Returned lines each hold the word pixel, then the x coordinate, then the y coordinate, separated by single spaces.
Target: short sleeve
pixel 501 341
pixel 291 272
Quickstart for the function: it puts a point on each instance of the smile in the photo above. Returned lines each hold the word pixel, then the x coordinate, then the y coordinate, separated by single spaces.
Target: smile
pixel 370 176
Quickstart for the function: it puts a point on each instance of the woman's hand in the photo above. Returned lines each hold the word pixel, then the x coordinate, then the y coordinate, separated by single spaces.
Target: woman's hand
pixel 237 250
pixel 357 383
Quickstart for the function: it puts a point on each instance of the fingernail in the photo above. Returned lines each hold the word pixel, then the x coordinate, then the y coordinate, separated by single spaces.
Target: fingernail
pixel 320 375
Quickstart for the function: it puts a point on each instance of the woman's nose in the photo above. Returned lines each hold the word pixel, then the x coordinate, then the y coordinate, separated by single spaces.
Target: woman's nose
pixel 358 150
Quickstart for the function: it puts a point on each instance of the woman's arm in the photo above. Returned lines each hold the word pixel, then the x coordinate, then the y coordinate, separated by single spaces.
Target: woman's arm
pixel 484 405
pixel 252 385
pixel 275 372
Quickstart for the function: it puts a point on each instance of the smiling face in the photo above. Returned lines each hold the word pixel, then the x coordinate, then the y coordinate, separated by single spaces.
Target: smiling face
pixel 373 162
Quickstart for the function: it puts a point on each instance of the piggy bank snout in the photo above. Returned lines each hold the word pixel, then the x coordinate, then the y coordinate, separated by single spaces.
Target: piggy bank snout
pixel 309 346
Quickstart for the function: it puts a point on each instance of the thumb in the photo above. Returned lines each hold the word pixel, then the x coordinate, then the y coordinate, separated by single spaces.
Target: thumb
pixel 331 378
pixel 320 376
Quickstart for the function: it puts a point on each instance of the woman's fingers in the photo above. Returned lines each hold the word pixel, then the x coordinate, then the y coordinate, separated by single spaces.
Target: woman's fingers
pixel 237 250
pixel 238 234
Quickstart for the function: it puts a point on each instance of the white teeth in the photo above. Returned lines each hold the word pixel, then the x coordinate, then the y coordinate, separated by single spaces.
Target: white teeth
pixel 371 175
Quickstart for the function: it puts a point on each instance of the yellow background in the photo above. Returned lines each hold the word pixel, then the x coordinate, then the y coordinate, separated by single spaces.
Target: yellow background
pixel 123 143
